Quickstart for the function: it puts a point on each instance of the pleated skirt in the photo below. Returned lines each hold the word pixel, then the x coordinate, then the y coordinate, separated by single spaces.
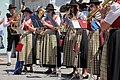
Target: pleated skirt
pixel 38 49
pixel 83 55
pixel 47 49
pixel 69 55
pixel 71 48
pixel 93 55
pixel 26 53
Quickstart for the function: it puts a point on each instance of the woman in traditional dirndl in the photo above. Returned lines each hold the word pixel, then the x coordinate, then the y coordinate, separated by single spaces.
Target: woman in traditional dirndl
pixel 38 37
pixel 50 46
pixel 26 38
pixel 94 42
pixel 69 55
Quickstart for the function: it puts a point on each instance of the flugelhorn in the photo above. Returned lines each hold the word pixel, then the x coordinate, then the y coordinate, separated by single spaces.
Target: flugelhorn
pixel 90 15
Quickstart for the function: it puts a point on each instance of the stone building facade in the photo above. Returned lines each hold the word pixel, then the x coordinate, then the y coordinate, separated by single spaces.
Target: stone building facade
pixel 33 4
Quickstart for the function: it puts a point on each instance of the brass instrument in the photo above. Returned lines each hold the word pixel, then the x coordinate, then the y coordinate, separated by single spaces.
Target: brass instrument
pixel 40 32
pixel 15 18
pixel 89 16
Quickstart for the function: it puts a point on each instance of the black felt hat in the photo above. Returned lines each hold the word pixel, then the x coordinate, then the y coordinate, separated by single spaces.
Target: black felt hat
pixel 11 7
pixel 95 1
pixel 73 2
pixel 50 7
pixel 27 10
pixel 82 5
pixel 63 8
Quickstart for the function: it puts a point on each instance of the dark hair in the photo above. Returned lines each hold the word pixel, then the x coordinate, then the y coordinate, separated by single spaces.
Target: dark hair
pixel 91 5
pixel 53 12
pixel 75 10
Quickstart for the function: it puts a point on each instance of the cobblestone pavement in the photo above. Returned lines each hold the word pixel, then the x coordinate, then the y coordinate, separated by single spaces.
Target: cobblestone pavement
pixel 6 73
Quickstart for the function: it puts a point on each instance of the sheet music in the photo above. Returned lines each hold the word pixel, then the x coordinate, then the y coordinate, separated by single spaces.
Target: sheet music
pixel 76 24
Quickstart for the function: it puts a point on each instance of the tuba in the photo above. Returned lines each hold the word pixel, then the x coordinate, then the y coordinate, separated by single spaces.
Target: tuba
pixel 90 15
pixel 15 17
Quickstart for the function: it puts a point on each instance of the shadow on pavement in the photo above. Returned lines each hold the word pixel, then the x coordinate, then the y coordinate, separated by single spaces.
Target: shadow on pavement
pixel 9 70
pixel 33 77
pixel 39 72
pixel 3 64
pixel 66 77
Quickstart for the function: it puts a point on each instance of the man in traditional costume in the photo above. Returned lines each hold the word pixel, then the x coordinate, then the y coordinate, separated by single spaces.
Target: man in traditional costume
pixel 112 20
pixel 12 34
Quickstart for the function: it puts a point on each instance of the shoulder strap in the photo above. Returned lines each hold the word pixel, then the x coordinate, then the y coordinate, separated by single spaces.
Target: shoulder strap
pixel 8 15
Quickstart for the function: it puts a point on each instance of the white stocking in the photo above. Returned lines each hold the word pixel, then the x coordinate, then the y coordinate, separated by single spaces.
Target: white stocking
pixel 9 57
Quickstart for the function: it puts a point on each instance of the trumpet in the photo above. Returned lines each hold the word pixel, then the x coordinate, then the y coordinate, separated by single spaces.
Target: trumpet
pixel 90 15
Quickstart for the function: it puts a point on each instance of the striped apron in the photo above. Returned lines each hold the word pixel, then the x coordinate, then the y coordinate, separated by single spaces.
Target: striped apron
pixel 93 56
pixel 26 53
pixel 48 49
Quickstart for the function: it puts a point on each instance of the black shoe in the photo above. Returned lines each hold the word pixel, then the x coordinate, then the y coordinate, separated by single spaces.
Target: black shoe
pixel 71 74
pixel 31 71
pixel 8 64
pixel 54 72
pixel 48 72
pixel 25 69
pixel 85 77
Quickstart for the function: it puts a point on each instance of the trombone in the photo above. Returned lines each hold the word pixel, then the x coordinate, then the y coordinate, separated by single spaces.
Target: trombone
pixel 90 15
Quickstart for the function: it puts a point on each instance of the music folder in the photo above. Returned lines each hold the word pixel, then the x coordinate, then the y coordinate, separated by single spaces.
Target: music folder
pixel 76 24
pixel 83 24
pixel 36 21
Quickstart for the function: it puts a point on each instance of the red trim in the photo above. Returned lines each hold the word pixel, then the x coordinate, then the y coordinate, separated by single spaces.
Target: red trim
pixel 83 23
pixel 75 46
pixel 54 20
pixel 118 1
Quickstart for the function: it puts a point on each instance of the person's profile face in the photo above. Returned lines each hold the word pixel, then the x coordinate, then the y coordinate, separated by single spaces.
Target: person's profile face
pixel 92 7
pixel 49 12
pixel 72 8
pixel 77 7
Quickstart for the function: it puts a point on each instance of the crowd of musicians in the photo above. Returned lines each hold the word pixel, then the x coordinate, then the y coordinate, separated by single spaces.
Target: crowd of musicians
pixel 55 41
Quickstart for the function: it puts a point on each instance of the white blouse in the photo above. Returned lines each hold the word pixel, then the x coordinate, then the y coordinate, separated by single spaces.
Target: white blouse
pixel 81 16
pixel 113 14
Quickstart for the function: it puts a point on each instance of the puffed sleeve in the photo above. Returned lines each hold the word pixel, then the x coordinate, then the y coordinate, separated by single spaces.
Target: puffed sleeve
pixel 113 14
